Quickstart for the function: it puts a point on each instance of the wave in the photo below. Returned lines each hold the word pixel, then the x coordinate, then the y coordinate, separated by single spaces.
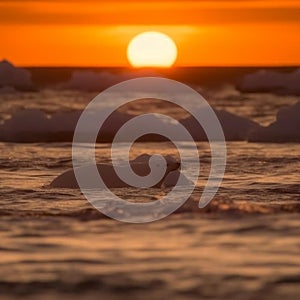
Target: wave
pixel 284 129
pixel 272 82
pixel 12 77
pixel 96 81
pixel 33 125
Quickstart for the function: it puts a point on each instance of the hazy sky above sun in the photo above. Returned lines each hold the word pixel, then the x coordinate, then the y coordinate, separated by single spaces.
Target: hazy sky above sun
pixel 97 32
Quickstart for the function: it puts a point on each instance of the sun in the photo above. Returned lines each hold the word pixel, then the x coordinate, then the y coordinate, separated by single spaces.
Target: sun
pixel 152 49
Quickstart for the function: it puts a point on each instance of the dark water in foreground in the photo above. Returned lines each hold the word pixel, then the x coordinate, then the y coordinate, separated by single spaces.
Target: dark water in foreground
pixel 245 245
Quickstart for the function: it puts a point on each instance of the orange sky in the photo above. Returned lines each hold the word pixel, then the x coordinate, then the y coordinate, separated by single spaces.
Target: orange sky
pixel 97 32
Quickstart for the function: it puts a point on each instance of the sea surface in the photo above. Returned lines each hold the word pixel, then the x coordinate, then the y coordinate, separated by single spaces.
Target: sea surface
pixel 244 245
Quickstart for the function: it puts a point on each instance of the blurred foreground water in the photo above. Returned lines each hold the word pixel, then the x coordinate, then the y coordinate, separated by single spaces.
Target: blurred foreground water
pixel 244 245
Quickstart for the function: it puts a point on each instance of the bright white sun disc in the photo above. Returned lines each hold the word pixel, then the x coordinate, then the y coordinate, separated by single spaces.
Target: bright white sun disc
pixel 152 49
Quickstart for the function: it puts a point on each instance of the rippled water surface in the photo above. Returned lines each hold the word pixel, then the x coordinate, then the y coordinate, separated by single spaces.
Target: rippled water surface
pixel 244 245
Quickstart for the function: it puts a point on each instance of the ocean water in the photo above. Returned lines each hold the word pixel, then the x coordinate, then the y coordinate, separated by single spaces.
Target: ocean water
pixel 244 245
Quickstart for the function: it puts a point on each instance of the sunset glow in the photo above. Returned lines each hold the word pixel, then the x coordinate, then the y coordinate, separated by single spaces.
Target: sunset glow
pixel 97 33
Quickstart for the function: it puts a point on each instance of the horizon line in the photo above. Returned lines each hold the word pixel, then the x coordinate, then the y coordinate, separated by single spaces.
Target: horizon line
pixel 162 68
